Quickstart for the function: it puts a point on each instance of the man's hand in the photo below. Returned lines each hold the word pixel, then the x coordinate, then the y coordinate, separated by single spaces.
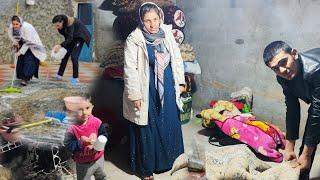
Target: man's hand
pixel 289 154
pixel 56 48
pixel 304 162
pixel 137 104
pixel 305 158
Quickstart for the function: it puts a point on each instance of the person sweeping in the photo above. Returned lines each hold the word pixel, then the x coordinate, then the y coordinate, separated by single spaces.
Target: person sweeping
pixel 29 49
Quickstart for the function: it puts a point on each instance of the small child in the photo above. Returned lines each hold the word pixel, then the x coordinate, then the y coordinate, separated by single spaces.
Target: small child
pixel 80 138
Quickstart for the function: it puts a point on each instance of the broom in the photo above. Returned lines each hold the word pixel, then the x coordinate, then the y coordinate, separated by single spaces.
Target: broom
pixel 38 123
pixel 12 89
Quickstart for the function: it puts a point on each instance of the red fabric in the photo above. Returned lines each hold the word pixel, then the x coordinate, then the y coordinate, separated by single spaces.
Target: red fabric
pixel 113 72
pixel 212 103
pixel 238 104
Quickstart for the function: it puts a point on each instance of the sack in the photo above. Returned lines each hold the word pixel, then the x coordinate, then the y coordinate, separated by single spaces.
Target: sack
pixel 192 67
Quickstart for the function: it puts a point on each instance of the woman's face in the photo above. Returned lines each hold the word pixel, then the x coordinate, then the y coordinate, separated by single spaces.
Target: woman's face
pixel 16 25
pixel 151 21
pixel 58 25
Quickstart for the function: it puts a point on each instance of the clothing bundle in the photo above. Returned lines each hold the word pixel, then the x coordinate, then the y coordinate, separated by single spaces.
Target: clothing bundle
pixel 120 2
pixel 234 118
pixel 187 52
pixel 113 73
pixel 191 65
pixel 114 56
pixel 125 6
pixel 124 25
pixel 113 62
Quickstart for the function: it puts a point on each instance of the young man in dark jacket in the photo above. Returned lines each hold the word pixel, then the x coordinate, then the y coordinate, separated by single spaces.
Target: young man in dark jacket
pixel 299 76
pixel 75 34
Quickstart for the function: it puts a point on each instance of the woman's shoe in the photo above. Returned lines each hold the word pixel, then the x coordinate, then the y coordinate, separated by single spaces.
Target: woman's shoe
pixel 57 78
pixel 24 83
pixel 148 178
pixel 74 81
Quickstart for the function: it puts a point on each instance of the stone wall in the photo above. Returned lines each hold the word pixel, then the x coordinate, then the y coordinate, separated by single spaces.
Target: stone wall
pixel 39 15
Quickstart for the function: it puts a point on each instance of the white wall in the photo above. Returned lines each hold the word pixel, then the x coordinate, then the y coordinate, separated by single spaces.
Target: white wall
pixel 214 26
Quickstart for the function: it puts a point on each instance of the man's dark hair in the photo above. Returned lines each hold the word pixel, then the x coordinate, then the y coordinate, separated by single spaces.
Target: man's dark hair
pixel 60 18
pixel 273 49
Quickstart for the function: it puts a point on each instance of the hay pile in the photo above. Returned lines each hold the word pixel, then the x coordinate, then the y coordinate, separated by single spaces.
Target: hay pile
pixel 37 99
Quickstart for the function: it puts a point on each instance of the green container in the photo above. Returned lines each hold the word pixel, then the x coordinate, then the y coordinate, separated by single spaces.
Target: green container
pixel 185 116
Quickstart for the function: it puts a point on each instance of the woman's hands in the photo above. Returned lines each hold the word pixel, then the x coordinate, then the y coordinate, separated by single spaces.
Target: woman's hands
pixel 137 104
pixel 182 88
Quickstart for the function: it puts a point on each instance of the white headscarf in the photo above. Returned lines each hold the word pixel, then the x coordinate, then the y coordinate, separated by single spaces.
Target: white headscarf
pixel 160 10
pixel 17 33
pixel 30 37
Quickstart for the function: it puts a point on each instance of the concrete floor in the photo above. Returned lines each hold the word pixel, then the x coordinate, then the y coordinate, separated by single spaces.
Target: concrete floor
pixel 117 167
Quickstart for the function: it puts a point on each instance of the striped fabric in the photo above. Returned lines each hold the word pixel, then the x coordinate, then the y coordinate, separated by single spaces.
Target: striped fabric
pixel 162 61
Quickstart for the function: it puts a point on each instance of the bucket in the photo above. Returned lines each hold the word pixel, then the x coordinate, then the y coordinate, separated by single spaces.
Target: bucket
pixel 30 2
pixel 72 102
pixel 100 143
pixel 59 55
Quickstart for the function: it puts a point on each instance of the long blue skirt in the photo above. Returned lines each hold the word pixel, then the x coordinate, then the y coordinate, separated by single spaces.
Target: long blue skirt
pixel 154 147
pixel 27 66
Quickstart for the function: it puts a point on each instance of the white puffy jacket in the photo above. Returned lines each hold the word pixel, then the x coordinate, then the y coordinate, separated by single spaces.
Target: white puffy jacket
pixel 136 74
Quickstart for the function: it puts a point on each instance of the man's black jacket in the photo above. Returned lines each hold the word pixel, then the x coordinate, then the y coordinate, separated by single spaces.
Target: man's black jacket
pixel 305 86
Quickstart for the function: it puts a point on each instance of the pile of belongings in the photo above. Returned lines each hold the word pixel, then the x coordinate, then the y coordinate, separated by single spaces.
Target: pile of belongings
pixel 113 64
pixel 127 16
pixel 230 162
pixel 175 16
pixel 126 6
pixel 234 118
pixel 188 55
pixel 187 52
pixel 123 25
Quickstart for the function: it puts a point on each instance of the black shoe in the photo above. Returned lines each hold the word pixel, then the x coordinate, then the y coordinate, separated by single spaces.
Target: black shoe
pixel 24 83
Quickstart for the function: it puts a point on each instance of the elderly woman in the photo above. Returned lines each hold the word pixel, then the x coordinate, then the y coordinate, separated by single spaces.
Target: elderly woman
pixel 154 80
pixel 75 34
pixel 29 49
